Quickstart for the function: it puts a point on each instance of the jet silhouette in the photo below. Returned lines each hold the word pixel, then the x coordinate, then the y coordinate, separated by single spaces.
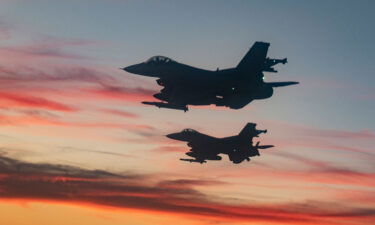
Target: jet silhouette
pixel 234 87
pixel 205 147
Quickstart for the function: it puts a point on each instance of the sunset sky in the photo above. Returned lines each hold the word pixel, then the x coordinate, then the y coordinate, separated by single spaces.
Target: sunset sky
pixel 78 147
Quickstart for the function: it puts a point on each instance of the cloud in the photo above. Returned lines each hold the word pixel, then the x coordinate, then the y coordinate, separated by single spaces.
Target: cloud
pixel 364 134
pixel 171 148
pixel 303 142
pixel 5 30
pixel 10 166
pixel 26 74
pixel 35 83
pixel 302 136
pixel 43 120
pixel 66 80
pixel 39 51
pixel 30 87
pixel 36 113
pixel 58 87
pixel 22 180
pixel 73 149
pixel 190 183
pixel 10 99
pixel 362 196
pixel 302 173
pixel 322 133
pixel 329 173
pixel 120 113
pixel 128 94
pixel 46 47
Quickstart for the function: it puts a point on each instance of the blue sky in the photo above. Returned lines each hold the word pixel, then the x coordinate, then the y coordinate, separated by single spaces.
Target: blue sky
pixel 328 44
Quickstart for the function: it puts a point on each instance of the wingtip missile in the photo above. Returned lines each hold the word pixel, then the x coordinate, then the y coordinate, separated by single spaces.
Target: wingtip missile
pixel 193 160
pixel 166 105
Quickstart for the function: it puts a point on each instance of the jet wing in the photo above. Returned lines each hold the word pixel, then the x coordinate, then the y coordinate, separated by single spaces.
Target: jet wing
pixel 254 59
pixel 202 154
pixel 203 147
pixel 179 97
pixel 203 144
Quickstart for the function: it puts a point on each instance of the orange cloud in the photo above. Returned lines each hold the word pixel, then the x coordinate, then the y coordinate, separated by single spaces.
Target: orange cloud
pixel 21 180
pixel 35 119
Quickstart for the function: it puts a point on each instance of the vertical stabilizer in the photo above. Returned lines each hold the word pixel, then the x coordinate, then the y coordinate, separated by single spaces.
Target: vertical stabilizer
pixel 248 130
pixel 254 58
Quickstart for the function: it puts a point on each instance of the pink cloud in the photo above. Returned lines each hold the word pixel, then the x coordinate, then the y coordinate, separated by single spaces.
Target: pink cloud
pixel 41 120
pixel 320 144
pixel 45 48
pixel 123 94
pixel 9 99
pixel 321 132
pixel 120 113
pixel 5 31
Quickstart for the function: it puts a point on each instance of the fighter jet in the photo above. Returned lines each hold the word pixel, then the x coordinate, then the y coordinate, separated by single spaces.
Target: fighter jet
pixel 205 147
pixel 236 87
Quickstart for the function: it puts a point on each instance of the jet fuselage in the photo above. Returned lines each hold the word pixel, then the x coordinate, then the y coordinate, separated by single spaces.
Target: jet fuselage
pixel 211 86
pixel 225 145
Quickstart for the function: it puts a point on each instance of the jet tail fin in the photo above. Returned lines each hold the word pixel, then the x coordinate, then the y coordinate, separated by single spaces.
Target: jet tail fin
pixel 254 58
pixel 282 84
pixel 247 130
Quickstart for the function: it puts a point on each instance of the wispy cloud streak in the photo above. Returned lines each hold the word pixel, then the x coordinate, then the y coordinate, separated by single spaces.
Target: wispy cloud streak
pixel 10 99
pixel 23 180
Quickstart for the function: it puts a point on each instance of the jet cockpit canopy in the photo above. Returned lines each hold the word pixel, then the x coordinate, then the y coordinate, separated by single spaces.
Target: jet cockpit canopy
pixel 158 60
pixel 189 130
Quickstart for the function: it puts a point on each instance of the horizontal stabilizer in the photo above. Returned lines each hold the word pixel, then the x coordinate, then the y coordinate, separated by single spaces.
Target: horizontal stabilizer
pixel 282 84
pixel 167 105
pixel 265 146
pixel 269 63
pixel 193 160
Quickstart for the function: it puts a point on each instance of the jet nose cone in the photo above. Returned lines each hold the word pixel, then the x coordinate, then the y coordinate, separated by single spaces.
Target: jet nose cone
pixel 140 69
pixel 178 136
pixel 174 136
pixel 130 69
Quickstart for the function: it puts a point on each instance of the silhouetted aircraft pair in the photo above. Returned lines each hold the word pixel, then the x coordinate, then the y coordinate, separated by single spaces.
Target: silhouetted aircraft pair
pixel 236 87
